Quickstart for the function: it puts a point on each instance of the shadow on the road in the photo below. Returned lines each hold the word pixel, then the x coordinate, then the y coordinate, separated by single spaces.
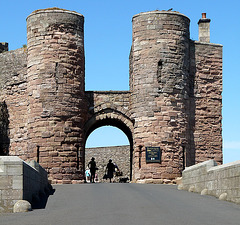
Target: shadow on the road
pixel 40 201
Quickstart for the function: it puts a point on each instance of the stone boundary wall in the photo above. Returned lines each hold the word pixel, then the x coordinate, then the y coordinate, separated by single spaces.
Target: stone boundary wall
pixel 221 181
pixel 20 181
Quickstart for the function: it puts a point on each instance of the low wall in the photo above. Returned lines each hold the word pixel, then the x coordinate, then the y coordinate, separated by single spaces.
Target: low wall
pixel 208 178
pixel 20 181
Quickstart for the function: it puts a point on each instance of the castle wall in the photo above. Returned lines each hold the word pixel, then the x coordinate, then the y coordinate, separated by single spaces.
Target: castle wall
pixel 207 102
pixel 13 85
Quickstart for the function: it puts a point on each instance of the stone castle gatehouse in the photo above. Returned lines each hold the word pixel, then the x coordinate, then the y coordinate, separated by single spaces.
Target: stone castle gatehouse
pixel 171 114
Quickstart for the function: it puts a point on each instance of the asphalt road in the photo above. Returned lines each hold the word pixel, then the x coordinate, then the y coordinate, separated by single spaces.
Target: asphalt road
pixel 127 204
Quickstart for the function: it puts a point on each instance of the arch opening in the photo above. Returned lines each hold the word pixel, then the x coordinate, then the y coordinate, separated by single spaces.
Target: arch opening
pixel 121 155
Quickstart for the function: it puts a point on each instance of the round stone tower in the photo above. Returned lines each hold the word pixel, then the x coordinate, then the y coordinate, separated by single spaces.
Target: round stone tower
pixel 159 72
pixel 56 84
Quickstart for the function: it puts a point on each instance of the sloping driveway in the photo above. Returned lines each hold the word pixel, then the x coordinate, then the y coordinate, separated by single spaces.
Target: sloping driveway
pixel 127 204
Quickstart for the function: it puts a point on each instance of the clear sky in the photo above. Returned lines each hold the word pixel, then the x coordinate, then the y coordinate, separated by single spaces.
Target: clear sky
pixel 108 37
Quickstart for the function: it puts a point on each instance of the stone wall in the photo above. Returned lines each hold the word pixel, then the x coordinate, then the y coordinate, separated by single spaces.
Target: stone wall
pixel 119 155
pixel 220 181
pixel 13 85
pixel 206 105
pixel 21 181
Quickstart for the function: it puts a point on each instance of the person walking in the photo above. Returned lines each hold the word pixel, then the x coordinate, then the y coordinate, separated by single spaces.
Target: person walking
pixel 92 166
pixel 110 169
pixel 88 175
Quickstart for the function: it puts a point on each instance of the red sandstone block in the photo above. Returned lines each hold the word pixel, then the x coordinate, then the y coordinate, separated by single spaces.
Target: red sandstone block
pixel 53 153
pixel 58 139
pixel 73 164
pixel 53 181
pixel 54 164
pixel 67 147
pixel 66 181
pixel 156 176
pixel 148 175
pixel 47 148
pixel 62 154
pixel 44 154
pixel 58 176
pixel 59 181
pixel 43 164
pixel 55 170
pixel 62 134
pixel 65 164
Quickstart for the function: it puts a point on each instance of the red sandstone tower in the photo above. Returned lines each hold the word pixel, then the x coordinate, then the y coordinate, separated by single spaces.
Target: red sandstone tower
pixel 56 77
pixel 160 91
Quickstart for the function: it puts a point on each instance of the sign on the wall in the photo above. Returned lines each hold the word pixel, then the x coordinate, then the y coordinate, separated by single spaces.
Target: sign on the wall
pixel 153 154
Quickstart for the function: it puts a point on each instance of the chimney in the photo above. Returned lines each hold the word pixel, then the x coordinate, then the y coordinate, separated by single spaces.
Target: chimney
pixel 204 29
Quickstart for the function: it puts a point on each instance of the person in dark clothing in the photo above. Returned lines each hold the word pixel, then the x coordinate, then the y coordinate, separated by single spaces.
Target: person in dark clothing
pixel 110 169
pixel 92 166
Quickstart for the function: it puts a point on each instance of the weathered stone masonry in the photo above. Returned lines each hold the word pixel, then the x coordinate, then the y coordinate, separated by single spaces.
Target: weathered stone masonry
pixel 174 101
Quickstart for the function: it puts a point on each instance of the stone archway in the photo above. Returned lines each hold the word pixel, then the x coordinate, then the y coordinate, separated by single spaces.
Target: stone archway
pixel 113 118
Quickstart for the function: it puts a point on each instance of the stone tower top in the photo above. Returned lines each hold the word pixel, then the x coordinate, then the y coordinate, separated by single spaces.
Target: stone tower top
pixel 54 9
pixel 161 12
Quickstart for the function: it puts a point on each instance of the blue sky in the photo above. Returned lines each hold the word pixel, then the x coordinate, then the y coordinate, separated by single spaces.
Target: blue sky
pixel 108 40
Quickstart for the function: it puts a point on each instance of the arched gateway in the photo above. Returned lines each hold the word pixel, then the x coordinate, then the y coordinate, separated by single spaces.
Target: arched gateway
pixel 171 114
pixel 111 108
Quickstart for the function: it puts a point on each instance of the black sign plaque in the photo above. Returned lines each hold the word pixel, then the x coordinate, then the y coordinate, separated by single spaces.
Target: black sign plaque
pixel 153 155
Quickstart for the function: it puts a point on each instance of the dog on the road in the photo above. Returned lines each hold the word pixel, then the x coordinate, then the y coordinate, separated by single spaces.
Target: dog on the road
pixel 123 180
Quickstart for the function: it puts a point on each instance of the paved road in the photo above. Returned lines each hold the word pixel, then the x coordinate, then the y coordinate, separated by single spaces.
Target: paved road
pixel 127 204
